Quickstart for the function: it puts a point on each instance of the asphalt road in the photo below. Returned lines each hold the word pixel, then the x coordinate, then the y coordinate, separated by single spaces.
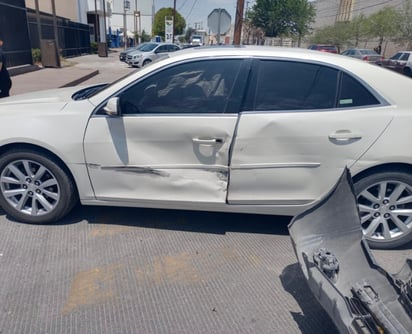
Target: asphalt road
pixel 121 270
pixel 124 270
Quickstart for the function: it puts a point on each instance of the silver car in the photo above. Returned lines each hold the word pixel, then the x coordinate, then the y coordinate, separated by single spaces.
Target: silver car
pixel 368 55
pixel 253 130
pixel 150 52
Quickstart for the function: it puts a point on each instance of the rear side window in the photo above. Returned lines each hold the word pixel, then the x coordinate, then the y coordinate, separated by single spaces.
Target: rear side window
pixel 354 94
pixel 283 85
pixel 289 85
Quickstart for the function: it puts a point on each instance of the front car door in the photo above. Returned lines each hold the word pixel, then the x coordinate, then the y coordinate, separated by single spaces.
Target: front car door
pixel 171 143
pixel 302 123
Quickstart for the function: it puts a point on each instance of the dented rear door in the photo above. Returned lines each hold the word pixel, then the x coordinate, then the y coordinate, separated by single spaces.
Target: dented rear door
pixel 295 143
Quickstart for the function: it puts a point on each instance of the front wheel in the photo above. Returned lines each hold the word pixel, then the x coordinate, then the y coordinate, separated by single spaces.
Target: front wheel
pixel 407 71
pixel 147 61
pixel 34 188
pixel 385 207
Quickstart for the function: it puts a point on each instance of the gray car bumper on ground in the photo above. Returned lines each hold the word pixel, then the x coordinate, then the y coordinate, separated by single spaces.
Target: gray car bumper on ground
pixel 359 295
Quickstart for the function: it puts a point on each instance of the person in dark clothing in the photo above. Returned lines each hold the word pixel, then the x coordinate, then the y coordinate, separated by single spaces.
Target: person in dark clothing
pixel 5 81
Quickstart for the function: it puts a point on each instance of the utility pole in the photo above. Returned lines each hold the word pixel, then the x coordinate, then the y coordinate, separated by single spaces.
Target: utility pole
pixel 124 24
pixel 238 22
pixel 174 19
pixel 56 34
pixel 96 23
pixel 36 4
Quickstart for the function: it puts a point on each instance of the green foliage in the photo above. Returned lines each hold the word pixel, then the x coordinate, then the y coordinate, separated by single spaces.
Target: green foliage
pixel 338 34
pixel 93 47
pixel 405 23
pixel 144 37
pixel 159 22
pixel 282 17
pixel 188 34
pixel 36 55
pixel 383 24
pixel 358 29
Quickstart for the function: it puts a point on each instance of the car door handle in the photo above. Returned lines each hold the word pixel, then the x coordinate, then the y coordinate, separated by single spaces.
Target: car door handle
pixel 344 135
pixel 207 141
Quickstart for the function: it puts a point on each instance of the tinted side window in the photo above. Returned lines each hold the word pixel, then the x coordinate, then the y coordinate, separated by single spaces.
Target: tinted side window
pixel 354 94
pixel 161 49
pixel 173 48
pixel 285 85
pixel 196 87
pixel 405 56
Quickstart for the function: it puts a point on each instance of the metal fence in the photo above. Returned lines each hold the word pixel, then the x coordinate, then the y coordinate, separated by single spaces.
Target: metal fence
pixel 15 33
pixel 19 30
pixel 73 37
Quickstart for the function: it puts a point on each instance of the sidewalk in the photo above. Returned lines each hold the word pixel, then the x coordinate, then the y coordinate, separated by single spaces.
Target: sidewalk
pixel 88 69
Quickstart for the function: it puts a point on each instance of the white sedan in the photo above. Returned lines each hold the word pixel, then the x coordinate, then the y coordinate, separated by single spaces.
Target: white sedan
pixel 253 130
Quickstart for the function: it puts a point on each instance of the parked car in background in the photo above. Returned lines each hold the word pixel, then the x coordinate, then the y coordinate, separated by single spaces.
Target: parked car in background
pixel 324 48
pixel 400 62
pixel 210 129
pixel 368 55
pixel 150 52
pixel 124 53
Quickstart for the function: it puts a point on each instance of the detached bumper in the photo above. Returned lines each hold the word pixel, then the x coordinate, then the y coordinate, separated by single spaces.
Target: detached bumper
pixel 358 295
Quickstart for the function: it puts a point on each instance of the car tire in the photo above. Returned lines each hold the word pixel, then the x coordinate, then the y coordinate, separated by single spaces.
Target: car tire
pixel 407 71
pixel 385 208
pixel 34 187
pixel 147 61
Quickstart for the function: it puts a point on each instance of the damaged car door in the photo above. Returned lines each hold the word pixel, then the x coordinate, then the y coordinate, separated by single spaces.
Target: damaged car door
pixel 170 140
pixel 301 124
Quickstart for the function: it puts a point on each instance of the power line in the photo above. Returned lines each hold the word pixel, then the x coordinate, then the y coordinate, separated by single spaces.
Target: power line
pixel 190 12
pixel 356 9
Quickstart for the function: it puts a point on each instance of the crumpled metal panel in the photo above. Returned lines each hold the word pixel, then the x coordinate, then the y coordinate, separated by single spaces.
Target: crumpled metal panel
pixel 359 296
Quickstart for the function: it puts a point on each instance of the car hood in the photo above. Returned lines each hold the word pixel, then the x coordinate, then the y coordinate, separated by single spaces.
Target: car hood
pixel 59 95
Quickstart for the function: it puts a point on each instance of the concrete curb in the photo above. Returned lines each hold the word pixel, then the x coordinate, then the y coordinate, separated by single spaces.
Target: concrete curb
pixel 17 70
pixel 81 79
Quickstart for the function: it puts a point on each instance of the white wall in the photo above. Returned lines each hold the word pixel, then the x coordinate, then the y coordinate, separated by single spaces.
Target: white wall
pixel 116 21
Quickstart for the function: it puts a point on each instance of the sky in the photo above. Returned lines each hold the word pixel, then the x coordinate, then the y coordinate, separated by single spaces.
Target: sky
pixel 197 11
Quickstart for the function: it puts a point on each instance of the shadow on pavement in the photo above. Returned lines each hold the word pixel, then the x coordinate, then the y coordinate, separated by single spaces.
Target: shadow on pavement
pixel 180 220
pixel 313 315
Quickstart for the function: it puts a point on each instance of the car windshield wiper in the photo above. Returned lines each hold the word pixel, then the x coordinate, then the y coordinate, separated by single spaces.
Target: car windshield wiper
pixel 87 92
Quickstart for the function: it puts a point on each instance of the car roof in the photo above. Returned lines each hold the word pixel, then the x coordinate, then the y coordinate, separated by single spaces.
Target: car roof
pixel 384 81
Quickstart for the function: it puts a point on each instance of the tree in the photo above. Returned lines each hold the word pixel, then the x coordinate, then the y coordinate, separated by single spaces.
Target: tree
pixel 303 15
pixel 405 24
pixel 338 34
pixel 188 34
pixel 159 22
pixel 383 24
pixel 358 28
pixel 282 17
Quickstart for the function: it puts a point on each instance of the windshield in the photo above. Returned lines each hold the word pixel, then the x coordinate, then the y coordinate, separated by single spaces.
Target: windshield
pixel 148 47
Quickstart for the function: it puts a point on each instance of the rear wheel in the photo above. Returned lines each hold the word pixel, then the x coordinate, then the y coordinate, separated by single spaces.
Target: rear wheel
pixel 385 207
pixel 407 71
pixel 34 188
